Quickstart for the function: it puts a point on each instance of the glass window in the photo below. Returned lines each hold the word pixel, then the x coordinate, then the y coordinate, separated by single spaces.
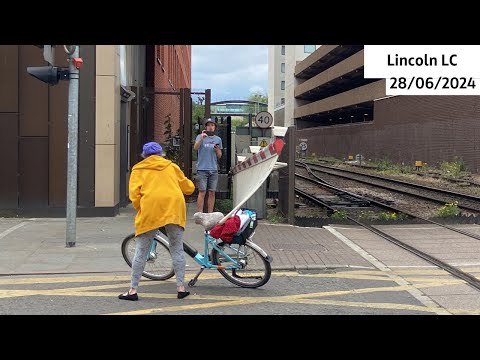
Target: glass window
pixel 282 85
pixel 282 67
pixel 282 101
pixel 283 49
pixel 308 49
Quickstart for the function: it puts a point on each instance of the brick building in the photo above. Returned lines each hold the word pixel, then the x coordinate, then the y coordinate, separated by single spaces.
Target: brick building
pixel 116 97
pixel 340 113
pixel 171 70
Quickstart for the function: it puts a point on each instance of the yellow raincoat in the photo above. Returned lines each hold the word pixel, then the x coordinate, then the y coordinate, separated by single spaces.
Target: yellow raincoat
pixel 156 189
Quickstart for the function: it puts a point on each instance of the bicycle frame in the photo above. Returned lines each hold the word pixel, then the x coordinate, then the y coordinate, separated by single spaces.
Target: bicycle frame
pixel 201 259
pixel 244 264
pixel 204 259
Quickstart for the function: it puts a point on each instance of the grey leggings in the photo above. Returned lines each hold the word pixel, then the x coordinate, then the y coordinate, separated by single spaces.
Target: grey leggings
pixel 143 242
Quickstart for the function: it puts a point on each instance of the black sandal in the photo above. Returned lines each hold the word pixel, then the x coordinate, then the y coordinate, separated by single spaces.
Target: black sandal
pixel 182 294
pixel 128 296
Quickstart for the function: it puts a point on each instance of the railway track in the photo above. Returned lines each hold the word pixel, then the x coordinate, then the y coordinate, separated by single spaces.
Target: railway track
pixel 456 272
pixel 466 202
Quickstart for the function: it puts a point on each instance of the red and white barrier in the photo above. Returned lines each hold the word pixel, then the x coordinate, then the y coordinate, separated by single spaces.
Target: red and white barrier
pixel 251 173
pixel 273 149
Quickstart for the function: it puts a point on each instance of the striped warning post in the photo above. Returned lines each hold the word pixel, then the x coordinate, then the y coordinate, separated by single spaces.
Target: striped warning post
pixel 273 149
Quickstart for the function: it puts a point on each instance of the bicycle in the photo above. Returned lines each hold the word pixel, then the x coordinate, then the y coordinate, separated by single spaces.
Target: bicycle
pixel 242 262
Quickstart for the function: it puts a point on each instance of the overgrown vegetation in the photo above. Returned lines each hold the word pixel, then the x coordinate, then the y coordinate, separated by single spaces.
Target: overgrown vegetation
pixel 391 216
pixel 449 210
pixel 454 168
pixel 329 159
pixel 382 216
pixel 276 218
pixel 171 152
pixel 339 215
pixel 387 167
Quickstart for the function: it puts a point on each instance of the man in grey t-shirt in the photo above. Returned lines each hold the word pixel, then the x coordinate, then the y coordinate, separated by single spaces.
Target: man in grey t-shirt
pixel 209 148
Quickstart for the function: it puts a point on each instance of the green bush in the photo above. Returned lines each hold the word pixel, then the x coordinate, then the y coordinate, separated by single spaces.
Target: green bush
pixel 449 210
pixel 454 168
pixel 387 216
pixel 223 205
pixel 339 215
pixel 366 215
pixel 384 164
pixel 276 219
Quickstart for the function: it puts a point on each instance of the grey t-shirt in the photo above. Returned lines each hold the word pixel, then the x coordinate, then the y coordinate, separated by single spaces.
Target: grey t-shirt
pixel 207 160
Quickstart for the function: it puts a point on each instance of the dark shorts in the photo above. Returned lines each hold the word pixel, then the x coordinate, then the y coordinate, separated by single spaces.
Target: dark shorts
pixel 207 179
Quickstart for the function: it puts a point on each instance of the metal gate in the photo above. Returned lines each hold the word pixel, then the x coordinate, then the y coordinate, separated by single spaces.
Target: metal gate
pixel 167 119
pixel 223 131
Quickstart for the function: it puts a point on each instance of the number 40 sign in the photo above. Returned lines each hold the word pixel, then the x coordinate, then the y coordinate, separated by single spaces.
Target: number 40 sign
pixel 264 119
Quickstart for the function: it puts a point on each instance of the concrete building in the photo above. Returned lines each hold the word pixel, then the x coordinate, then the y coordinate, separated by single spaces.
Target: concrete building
pixel 115 119
pixel 340 113
pixel 281 64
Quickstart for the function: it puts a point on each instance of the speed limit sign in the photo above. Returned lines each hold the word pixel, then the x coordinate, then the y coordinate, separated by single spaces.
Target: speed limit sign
pixel 264 119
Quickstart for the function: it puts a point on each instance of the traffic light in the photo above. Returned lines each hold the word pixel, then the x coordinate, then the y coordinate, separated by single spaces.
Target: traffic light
pixel 48 74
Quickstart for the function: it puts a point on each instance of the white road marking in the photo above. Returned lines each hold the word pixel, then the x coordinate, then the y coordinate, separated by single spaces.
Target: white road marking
pixel 417 294
pixel 12 229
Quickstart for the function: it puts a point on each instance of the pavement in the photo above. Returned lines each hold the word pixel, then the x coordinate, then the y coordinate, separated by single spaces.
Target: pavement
pixel 38 245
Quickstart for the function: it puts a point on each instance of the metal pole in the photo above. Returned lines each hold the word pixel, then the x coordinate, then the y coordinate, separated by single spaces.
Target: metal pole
pixel 72 146
pixel 208 102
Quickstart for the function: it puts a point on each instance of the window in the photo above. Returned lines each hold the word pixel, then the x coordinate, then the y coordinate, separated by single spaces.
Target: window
pixel 282 67
pixel 282 101
pixel 282 85
pixel 308 49
pixel 283 49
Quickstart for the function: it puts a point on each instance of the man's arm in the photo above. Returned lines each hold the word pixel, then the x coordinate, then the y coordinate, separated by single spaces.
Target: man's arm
pixel 218 151
pixel 199 140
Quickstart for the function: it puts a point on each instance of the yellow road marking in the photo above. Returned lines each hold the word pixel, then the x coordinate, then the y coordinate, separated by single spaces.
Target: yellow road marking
pixel 88 278
pixel 64 279
pixel 379 276
pixel 424 282
pixel 185 307
pixel 94 291
pixel 287 299
pixel 373 305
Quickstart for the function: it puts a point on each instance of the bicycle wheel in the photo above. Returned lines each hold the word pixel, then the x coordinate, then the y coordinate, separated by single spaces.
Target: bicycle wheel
pixel 159 265
pixel 254 270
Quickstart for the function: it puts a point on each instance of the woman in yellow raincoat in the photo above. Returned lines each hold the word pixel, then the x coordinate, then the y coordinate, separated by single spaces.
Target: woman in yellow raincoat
pixel 157 187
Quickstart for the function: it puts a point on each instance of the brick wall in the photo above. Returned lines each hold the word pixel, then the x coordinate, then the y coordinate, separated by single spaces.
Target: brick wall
pixel 405 129
pixel 173 71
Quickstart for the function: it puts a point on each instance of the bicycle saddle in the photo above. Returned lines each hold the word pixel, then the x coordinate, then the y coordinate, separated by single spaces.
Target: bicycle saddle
pixel 207 220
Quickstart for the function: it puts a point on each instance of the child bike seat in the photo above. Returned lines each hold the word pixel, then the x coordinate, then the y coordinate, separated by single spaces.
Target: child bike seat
pixel 208 220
